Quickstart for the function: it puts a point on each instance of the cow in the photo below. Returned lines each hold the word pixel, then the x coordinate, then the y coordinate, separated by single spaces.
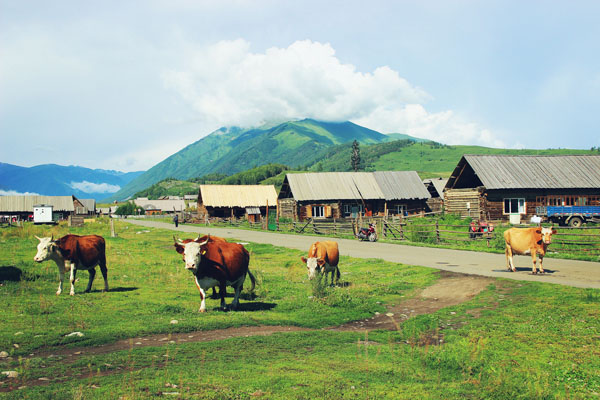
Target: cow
pixel 214 294
pixel 73 252
pixel 527 241
pixel 323 257
pixel 216 263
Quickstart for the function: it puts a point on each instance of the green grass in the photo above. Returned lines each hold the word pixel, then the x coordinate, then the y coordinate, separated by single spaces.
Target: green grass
pixel 514 340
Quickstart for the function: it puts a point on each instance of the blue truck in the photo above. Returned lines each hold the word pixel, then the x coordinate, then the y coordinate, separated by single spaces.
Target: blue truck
pixel 573 216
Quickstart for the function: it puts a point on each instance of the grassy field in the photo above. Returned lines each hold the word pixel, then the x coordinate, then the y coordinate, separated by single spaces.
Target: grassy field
pixel 514 340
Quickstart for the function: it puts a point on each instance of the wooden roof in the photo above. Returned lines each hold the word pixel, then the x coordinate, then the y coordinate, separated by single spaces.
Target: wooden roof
pixel 383 185
pixel 26 203
pixel 531 172
pixel 237 195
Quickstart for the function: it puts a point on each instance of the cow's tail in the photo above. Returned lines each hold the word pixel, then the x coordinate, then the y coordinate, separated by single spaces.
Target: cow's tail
pixel 252 279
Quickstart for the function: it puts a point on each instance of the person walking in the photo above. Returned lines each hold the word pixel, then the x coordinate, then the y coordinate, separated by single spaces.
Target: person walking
pixel 176 220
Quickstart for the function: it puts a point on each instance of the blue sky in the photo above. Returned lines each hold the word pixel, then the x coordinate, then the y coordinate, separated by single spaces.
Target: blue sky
pixel 123 85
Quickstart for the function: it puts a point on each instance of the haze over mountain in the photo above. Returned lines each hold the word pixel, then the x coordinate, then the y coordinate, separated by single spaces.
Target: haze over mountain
pixel 58 180
pixel 231 150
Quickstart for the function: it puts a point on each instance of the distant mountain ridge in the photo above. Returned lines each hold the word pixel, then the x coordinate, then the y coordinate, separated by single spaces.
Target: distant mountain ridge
pixel 231 150
pixel 59 180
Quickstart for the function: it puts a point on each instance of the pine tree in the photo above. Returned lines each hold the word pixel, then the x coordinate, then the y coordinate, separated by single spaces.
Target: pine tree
pixel 355 158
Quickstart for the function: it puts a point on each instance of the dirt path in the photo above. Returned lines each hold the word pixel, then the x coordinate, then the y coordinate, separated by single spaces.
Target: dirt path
pixel 564 272
pixel 450 289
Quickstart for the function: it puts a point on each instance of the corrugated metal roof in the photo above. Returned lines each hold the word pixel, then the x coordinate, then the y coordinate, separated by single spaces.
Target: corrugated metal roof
pixel 238 195
pixel 400 185
pixel 163 205
pixel 356 185
pixel 26 203
pixel 536 172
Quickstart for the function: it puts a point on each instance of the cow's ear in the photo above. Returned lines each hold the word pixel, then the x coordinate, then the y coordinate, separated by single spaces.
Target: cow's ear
pixel 321 262
pixel 179 248
pixel 303 259
pixel 554 231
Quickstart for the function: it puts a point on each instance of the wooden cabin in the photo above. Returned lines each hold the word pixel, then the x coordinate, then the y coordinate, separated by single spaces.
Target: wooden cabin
pixel 510 187
pixel 237 201
pixel 350 194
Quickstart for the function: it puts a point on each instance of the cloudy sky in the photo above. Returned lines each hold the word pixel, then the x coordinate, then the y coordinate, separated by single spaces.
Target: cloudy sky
pixel 124 84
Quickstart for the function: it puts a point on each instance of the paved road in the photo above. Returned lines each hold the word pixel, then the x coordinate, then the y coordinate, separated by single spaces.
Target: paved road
pixel 564 272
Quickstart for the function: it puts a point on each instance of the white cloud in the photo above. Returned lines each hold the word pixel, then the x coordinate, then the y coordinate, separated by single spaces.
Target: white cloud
pixel 15 193
pixel 226 84
pixel 89 187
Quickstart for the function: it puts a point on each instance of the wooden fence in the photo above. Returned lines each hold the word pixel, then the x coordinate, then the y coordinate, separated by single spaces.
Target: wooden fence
pixel 583 241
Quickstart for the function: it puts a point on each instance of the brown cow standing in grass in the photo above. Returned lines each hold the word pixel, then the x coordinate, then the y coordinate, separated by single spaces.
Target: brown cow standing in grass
pixel 527 241
pixel 74 252
pixel 323 257
pixel 216 263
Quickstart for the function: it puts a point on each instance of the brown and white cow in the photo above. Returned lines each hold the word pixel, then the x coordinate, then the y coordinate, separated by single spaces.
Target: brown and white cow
pixel 323 257
pixel 73 252
pixel 527 241
pixel 216 263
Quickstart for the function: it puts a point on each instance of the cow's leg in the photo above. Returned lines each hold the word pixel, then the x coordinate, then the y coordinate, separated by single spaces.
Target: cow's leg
pixel 202 295
pixel 104 275
pixel 236 297
pixel 92 272
pixel 509 258
pixel 61 277
pixel 214 294
pixel 73 273
pixel 541 266
pixel 534 259
pixel 222 291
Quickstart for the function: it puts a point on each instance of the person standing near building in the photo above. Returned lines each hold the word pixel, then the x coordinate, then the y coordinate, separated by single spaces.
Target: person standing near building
pixel 176 220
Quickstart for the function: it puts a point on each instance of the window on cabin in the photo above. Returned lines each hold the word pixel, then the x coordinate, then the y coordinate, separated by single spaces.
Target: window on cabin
pixel 401 209
pixel 318 211
pixel 514 206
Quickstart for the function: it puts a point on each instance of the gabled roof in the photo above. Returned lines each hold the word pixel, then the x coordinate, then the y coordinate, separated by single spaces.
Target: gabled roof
pixel 163 205
pixel 26 203
pixel 532 172
pixel 399 185
pixel 237 195
pixel 388 185
pixel 438 183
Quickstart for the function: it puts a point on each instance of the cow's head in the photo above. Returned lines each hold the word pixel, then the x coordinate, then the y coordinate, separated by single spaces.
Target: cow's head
pixel 46 249
pixel 546 234
pixel 314 265
pixel 192 251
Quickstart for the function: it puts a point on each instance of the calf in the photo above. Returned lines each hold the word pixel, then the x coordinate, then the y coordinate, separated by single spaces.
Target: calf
pixel 216 263
pixel 74 252
pixel 527 241
pixel 323 257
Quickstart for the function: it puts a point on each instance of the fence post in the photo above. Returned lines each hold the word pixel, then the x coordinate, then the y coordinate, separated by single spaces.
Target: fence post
pixel 437 231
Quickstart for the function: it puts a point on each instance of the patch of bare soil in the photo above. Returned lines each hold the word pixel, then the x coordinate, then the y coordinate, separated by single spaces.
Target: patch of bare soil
pixel 451 289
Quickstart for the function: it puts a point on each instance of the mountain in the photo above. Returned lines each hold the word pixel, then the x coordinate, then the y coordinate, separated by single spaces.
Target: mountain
pixel 231 150
pixel 58 180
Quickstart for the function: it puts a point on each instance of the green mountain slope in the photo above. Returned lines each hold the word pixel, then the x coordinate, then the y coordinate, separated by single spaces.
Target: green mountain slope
pixel 429 159
pixel 233 150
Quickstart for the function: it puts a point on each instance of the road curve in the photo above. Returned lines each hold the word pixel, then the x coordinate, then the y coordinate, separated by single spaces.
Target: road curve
pixel 575 273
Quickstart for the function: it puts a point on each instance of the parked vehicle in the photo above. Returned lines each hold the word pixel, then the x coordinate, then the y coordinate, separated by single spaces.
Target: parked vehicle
pixel 477 228
pixel 367 233
pixel 574 216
